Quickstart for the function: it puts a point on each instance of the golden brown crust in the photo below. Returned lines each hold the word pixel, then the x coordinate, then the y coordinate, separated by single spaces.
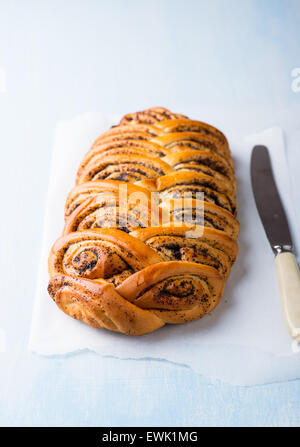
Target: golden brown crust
pixel 182 241
pixel 87 190
pixel 186 125
pixel 99 254
pixel 174 286
pixel 195 212
pixel 139 248
pixel 113 209
pixel 124 167
pixel 99 305
pixel 121 129
pixel 188 184
pixel 150 116
pixel 193 140
pixel 122 147
pixel 202 162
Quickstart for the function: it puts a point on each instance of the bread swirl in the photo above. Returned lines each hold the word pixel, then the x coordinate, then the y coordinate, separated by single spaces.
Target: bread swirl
pixel 150 226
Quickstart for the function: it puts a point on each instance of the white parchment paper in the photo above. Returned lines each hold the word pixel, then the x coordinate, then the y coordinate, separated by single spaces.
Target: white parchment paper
pixel 243 341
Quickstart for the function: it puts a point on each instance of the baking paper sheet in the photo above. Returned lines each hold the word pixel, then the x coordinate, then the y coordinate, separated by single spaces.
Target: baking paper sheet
pixel 243 341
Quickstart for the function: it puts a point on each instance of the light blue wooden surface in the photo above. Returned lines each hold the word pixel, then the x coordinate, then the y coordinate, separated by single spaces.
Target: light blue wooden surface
pixel 59 59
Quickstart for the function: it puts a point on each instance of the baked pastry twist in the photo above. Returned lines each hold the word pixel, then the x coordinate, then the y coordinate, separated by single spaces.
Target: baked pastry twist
pixel 150 226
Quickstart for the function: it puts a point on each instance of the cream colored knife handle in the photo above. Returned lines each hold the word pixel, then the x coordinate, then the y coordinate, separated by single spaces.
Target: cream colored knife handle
pixel 289 283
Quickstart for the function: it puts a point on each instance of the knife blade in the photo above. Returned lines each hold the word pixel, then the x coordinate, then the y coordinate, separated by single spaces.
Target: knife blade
pixel 268 200
pixel 275 223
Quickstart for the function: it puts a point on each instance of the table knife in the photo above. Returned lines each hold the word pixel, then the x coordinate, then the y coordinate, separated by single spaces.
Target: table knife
pixel 275 223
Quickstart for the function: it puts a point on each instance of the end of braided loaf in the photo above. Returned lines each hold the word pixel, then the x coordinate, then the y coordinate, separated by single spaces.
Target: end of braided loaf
pixel 99 305
pixel 120 264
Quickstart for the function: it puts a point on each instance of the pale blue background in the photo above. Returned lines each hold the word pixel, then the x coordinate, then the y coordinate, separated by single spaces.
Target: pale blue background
pixel 62 58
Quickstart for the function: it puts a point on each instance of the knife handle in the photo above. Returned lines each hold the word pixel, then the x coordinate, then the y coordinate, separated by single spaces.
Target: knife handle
pixel 289 283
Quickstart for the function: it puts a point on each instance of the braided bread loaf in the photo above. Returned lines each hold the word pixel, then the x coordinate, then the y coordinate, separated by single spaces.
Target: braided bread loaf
pixel 150 229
